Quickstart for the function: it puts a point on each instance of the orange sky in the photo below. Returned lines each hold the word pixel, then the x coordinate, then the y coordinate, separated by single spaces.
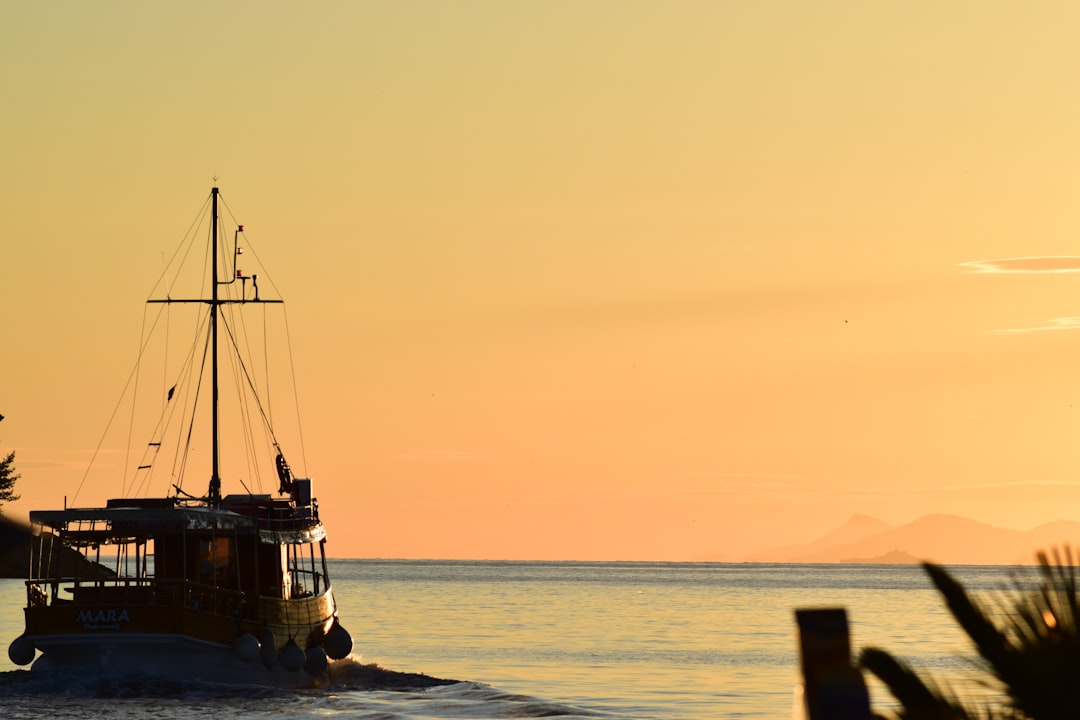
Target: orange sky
pixel 600 280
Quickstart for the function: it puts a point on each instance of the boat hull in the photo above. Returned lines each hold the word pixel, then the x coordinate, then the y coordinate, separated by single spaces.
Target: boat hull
pixel 281 649
pixel 173 656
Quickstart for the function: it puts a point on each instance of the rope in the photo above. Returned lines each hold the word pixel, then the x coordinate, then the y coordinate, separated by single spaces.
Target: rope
pixel 134 395
pixel 296 393
pixel 183 456
pixel 188 238
pixel 170 409
pixel 237 332
pixel 108 425
pixel 250 382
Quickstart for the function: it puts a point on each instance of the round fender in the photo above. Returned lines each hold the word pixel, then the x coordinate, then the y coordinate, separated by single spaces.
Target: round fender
pixel 292 656
pixel 268 652
pixel 21 651
pixel 338 642
pixel 246 647
pixel 315 662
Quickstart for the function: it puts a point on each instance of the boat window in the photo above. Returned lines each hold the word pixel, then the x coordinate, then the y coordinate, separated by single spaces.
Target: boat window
pixel 304 579
pixel 273 571
pixel 216 561
pixel 91 562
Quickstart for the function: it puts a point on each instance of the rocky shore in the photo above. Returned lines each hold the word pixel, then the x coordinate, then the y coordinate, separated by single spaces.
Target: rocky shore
pixel 19 552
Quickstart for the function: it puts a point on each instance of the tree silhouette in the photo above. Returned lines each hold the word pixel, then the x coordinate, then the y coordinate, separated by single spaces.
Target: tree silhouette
pixel 8 477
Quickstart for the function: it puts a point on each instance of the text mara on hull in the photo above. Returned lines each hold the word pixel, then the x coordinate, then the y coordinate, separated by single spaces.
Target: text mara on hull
pixel 225 588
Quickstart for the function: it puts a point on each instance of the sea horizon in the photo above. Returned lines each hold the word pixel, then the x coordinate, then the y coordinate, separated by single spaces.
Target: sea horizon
pixel 614 639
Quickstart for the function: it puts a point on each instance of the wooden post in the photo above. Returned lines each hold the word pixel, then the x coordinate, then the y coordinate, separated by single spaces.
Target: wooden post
pixel 833 689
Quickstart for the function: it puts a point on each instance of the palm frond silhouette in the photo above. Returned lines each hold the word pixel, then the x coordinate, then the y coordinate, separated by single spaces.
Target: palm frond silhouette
pixel 1028 638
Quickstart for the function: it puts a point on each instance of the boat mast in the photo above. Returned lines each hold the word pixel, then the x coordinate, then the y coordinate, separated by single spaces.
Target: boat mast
pixel 214 495
pixel 216 301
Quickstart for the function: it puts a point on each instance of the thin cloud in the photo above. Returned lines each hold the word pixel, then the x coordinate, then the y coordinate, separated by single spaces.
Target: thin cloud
pixel 940 491
pixel 831 495
pixel 1033 265
pixel 1046 264
pixel 1062 323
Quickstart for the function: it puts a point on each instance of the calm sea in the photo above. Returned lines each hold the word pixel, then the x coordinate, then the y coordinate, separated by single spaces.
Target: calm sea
pixel 528 639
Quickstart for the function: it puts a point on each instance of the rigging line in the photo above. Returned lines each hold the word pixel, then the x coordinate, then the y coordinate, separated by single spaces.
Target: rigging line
pixel 112 416
pixel 296 393
pixel 165 365
pixel 152 449
pixel 170 410
pixel 241 371
pixel 208 258
pixel 191 426
pixel 247 377
pixel 242 401
pixel 187 238
pixel 266 412
pixel 266 365
pixel 268 436
pixel 266 376
pixel 251 247
pixel 238 317
pixel 190 396
pixel 165 420
pixel 134 397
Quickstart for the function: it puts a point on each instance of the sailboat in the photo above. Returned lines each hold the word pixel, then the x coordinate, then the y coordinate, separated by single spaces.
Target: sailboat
pixel 212 586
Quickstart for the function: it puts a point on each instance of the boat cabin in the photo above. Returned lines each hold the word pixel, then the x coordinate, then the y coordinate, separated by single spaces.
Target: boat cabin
pixel 251 564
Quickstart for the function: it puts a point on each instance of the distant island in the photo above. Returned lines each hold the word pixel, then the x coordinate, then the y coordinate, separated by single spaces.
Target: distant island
pixel 893 557
pixel 944 539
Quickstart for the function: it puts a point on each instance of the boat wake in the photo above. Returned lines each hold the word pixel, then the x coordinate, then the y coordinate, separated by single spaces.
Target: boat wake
pixel 347 674
pixel 353 689
pixel 351 674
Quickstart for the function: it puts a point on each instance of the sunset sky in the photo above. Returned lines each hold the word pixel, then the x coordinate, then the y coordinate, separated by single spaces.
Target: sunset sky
pixel 574 280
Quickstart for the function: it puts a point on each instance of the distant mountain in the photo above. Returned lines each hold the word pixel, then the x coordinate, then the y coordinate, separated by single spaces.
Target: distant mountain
pixel 1056 535
pixel 854 530
pixel 945 539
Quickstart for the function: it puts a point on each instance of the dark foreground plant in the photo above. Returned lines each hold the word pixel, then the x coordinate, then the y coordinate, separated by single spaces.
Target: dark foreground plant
pixel 1028 638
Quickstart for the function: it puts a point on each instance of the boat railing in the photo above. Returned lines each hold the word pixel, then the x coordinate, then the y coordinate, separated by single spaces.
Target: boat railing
pixel 135 592
pixel 212 599
pixel 283 517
